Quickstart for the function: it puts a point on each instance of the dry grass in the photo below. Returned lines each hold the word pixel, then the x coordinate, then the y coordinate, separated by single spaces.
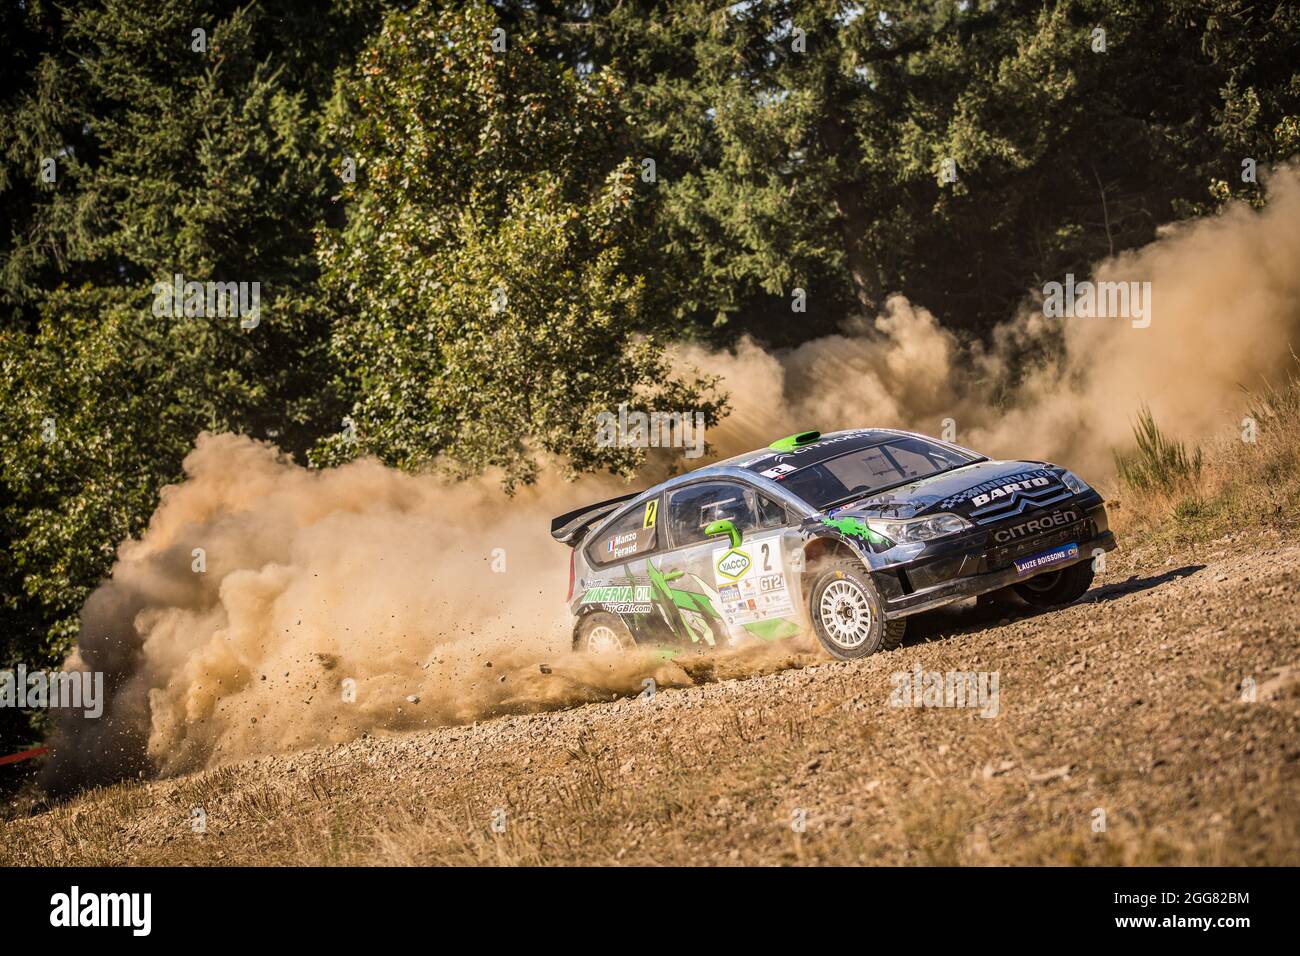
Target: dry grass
pixel 1173 496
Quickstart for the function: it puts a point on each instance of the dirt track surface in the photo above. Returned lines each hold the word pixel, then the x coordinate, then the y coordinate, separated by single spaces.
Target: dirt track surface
pixel 1124 710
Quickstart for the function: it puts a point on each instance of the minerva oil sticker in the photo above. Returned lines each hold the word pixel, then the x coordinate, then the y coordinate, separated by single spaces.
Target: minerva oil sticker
pixel 751 582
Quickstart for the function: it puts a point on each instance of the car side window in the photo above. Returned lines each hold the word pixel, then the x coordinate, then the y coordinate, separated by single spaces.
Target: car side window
pixel 770 514
pixel 630 534
pixel 693 508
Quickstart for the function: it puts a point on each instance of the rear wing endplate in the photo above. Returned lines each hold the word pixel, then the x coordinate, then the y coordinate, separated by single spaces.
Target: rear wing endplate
pixel 569 528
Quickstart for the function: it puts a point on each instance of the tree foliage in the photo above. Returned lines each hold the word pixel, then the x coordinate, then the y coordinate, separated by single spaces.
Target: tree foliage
pixel 487 287
pixel 167 159
pixel 802 143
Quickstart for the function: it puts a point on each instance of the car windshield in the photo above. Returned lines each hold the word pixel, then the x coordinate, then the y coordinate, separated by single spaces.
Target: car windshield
pixel 854 474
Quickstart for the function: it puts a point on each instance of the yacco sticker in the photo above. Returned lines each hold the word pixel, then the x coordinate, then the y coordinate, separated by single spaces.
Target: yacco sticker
pixel 733 563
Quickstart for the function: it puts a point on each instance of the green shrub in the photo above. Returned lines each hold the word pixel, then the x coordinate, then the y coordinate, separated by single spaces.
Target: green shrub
pixel 1158 462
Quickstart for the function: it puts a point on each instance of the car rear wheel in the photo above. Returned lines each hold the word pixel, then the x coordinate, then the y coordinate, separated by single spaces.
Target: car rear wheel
pixel 847 613
pixel 603 633
pixel 1056 587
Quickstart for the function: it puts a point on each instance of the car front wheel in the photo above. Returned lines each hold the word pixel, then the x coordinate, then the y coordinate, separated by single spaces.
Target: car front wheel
pixel 847 613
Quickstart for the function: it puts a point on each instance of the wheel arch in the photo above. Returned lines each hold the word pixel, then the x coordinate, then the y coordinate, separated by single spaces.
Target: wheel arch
pixel 822 548
pixel 583 612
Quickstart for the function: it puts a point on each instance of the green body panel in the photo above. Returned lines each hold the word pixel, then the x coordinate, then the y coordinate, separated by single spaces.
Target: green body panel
pixel 854 528
pixel 677 603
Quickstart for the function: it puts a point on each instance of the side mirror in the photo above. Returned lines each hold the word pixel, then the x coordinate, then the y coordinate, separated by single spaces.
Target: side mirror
pixel 724 526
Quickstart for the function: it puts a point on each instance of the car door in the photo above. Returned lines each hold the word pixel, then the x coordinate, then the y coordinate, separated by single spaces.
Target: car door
pixel 727 593
pixel 619 558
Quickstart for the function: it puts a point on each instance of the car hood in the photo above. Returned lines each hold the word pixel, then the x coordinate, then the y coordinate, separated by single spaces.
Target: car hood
pixel 982 491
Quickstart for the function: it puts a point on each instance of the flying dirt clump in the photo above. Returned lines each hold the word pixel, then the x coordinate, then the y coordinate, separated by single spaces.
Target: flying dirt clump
pixel 269 606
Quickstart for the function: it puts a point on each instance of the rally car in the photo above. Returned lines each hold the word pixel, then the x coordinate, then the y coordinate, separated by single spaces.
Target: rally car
pixel 850 533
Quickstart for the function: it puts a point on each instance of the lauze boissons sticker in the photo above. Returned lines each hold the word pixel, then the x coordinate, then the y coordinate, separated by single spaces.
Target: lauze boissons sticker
pixel 1055 556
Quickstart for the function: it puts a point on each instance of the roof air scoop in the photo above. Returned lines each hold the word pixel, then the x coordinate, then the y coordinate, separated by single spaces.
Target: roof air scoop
pixel 797 440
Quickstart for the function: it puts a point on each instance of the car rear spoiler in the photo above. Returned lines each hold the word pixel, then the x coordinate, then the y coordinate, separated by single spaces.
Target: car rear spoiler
pixel 569 528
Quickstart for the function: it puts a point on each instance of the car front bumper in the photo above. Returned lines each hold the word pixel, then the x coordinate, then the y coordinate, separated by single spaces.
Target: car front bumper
pixel 956 570
pixel 976 584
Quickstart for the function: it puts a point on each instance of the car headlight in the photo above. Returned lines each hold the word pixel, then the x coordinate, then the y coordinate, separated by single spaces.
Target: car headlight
pixel 1072 481
pixel 918 529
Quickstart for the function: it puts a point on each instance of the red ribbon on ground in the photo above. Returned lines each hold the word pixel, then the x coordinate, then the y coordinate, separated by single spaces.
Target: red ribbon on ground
pixel 24 755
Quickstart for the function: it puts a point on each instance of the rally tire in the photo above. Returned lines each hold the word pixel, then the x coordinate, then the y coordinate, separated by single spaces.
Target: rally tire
pixel 1056 587
pixel 847 614
pixel 603 633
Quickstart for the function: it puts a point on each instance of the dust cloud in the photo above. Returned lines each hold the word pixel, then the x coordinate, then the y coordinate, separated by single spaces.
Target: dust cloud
pixel 1225 316
pixel 331 603
pixel 367 578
